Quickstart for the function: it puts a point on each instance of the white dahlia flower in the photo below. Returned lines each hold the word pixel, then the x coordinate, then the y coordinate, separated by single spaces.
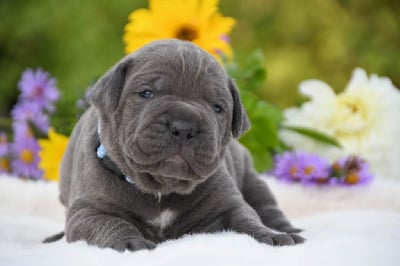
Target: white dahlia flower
pixel 364 118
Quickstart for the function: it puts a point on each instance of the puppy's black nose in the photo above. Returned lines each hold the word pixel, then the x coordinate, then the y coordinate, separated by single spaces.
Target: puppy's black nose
pixel 182 130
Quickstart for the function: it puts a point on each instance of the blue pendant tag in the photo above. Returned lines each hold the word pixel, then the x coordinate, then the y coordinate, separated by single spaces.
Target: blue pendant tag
pixel 101 151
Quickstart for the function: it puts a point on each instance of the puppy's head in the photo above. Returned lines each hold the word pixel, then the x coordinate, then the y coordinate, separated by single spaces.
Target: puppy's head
pixel 166 114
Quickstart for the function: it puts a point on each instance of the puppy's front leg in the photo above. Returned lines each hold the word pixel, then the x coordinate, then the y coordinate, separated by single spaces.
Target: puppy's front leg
pixel 244 219
pixel 257 194
pixel 86 222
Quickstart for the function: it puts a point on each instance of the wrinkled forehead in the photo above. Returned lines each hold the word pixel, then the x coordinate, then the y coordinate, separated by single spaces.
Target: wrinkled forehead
pixel 185 68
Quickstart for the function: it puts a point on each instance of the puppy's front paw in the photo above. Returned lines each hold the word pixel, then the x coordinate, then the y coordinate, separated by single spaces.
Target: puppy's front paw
pixel 298 239
pixel 281 239
pixel 133 244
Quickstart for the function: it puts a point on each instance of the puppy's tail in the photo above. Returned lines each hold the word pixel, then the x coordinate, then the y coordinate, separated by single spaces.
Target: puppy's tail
pixel 54 238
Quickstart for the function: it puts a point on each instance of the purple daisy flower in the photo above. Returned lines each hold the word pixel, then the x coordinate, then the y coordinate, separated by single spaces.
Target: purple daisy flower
pixel 39 88
pixel 21 130
pixel 352 170
pixel 4 165
pixel 3 144
pixel 313 168
pixel 4 158
pixel 26 111
pixel 286 167
pixel 301 166
pixel 26 158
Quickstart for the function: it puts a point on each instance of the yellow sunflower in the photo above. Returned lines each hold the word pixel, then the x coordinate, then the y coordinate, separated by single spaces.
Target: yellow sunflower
pixel 197 21
pixel 51 153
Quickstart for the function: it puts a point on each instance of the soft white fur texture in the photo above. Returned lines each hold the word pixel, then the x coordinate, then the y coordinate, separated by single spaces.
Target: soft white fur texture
pixel 343 226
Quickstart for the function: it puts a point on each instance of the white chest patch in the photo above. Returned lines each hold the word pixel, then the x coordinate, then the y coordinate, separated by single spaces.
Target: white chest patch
pixel 164 219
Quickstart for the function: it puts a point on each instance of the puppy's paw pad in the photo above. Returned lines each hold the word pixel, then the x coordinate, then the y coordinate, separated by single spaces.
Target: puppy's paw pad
pixel 133 244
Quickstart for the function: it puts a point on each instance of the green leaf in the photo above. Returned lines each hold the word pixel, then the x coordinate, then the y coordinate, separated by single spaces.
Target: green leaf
pixel 314 134
pixel 255 78
pixel 256 58
pixel 263 162
pixel 251 75
pixel 263 137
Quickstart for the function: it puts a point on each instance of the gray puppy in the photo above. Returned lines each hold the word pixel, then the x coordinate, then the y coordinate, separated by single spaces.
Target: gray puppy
pixel 155 158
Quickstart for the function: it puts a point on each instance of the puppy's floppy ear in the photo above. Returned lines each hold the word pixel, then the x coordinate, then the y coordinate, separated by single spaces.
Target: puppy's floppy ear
pixel 106 92
pixel 240 120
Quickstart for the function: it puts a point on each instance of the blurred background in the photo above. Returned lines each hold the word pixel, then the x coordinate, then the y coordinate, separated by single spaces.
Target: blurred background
pixel 77 41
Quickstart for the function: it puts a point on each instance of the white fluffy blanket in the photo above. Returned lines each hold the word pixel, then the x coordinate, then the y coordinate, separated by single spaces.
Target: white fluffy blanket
pixel 343 226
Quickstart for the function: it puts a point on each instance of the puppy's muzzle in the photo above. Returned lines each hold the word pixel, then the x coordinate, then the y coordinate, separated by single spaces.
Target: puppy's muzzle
pixel 183 123
pixel 182 131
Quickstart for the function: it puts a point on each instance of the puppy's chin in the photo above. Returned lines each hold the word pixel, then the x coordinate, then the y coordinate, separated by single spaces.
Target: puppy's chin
pixel 156 184
pixel 172 175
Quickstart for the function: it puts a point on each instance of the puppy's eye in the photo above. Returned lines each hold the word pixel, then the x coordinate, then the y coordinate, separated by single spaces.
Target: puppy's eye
pixel 146 94
pixel 218 108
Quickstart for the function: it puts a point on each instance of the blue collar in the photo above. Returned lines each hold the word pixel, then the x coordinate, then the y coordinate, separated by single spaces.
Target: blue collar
pixel 110 165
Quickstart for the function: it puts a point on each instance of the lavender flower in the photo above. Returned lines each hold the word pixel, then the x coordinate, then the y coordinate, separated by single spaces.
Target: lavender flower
pixel 38 94
pixel 352 170
pixel 286 166
pixel 21 130
pixel 26 111
pixel 4 165
pixel 3 144
pixel 4 160
pixel 26 158
pixel 312 169
pixel 38 88
pixel 301 167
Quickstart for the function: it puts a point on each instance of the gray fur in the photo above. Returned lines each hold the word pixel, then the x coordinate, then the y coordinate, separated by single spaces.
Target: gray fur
pixel 178 150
